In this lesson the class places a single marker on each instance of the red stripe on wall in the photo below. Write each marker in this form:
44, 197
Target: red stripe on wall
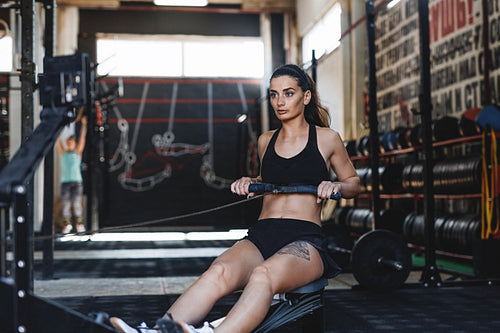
181, 101
176, 121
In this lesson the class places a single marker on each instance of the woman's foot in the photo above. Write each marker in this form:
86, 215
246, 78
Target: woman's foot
121, 326
166, 325
163, 325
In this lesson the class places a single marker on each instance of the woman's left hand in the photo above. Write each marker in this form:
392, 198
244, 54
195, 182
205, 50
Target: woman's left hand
327, 188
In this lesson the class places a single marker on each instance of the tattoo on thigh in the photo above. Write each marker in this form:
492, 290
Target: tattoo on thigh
300, 249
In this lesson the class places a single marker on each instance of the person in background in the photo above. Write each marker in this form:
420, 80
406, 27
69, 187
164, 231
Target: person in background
71, 178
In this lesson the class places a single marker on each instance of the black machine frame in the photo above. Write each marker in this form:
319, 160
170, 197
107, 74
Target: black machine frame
65, 80
20, 310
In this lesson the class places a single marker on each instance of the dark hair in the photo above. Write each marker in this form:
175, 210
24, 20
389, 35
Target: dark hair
314, 112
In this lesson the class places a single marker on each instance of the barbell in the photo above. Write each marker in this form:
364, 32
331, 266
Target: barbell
380, 259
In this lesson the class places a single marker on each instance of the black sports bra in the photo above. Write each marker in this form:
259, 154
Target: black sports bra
306, 168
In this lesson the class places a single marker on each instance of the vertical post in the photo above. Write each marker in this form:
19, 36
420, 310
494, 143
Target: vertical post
27, 109
372, 116
3, 240
48, 172
430, 274
22, 258
90, 160
486, 55
314, 67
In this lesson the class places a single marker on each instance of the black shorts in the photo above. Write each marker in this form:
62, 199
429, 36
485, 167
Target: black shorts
270, 235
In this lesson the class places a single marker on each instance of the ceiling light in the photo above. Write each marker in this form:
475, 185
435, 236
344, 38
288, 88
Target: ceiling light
181, 3
392, 4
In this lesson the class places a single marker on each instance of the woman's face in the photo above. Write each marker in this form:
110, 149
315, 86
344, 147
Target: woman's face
287, 98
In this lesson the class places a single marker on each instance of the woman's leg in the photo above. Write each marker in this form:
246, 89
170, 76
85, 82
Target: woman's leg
229, 272
294, 265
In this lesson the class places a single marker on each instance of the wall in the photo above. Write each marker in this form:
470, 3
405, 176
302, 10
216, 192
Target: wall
182, 159
331, 90
309, 12
340, 75
456, 59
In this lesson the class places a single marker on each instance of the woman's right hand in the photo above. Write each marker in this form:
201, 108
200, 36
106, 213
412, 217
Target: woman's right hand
240, 186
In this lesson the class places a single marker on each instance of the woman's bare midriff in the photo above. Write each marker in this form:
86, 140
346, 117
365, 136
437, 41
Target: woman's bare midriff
293, 206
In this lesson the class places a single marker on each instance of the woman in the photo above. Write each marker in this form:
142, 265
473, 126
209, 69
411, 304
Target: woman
287, 239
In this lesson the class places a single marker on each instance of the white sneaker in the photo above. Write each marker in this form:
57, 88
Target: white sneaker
80, 228
121, 326
67, 229
205, 329
172, 326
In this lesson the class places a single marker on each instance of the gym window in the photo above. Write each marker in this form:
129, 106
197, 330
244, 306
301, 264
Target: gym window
180, 56
6, 54
324, 37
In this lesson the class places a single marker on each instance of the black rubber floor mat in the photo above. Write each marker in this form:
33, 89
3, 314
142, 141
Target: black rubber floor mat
126, 268
461, 309
450, 309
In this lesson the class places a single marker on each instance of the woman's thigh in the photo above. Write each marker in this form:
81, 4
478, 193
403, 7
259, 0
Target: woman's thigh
294, 265
238, 262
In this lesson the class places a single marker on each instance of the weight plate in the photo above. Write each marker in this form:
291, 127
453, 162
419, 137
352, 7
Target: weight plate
362, 178
415, 136
392, 219
387, 141
406, 178
438, 230
340, 215
402, 137
468, 125
407, 227
366, 266
445, 128
350, 147
391, 178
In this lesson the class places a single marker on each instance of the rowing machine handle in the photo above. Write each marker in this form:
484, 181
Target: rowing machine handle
304, 189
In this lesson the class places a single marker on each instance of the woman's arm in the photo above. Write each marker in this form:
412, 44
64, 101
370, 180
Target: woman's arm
348, 180
240, 186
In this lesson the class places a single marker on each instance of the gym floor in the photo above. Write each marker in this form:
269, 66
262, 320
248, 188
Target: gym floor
139, 280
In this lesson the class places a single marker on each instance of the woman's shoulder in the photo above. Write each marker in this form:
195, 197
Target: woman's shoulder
266, 136
329, 140
327, 133
264, 139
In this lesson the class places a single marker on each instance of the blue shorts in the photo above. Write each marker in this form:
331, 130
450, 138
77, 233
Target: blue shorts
270, 235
